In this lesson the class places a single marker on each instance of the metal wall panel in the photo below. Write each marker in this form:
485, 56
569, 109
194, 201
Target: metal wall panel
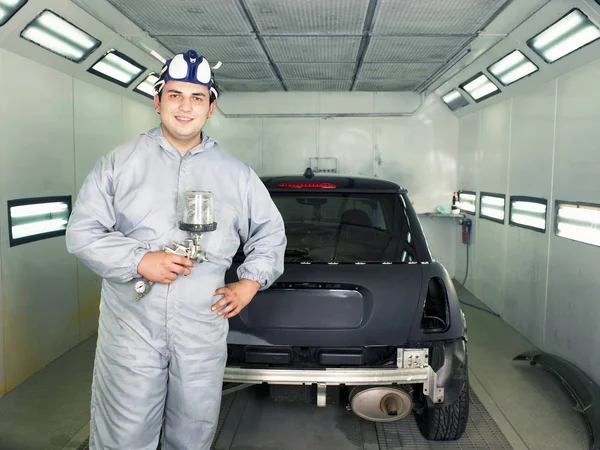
532, 132
573, 308
39, 280
468, 151
3, 234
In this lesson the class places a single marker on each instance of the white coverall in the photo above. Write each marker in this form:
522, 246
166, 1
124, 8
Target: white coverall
166, 353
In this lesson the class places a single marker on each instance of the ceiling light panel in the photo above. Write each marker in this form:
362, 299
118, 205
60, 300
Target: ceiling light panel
480, 87
434, 16
146, 87
309, 17
568, 34
226, 49
52, 32
116, 67
313, 49
319, 71
176, 17
397, 49
454, 99
512, 67
9, 8
319, 85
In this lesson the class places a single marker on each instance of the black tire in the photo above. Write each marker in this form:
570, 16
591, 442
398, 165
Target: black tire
445, 423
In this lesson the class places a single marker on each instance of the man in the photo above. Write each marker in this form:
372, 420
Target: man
164, 355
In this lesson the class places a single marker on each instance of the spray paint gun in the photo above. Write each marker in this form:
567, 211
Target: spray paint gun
198, 218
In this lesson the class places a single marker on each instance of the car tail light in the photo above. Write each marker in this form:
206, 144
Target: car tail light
436, 317
308, 185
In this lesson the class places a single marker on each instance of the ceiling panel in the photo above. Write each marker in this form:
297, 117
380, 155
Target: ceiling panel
433, 16
245, 71
320, 71
226, 49
387, 85
318, 85
182, 17
413, 49
383, 71
313, 49
313, 44
249, 85
309, 16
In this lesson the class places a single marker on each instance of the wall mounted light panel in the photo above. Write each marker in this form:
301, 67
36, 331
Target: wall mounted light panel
33, 219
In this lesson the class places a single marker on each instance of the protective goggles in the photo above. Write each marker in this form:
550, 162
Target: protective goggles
189, 67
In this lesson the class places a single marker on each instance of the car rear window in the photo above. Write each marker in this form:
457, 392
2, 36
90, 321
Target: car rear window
345, 227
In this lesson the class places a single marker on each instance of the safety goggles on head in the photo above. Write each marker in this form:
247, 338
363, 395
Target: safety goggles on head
189, 67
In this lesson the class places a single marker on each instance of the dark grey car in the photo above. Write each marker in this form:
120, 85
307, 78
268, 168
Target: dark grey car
361, 305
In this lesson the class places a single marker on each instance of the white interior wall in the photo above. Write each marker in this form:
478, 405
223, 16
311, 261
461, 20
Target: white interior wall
541, 143
53, 128
418, 152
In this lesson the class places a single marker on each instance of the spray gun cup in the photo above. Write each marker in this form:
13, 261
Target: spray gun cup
197, 228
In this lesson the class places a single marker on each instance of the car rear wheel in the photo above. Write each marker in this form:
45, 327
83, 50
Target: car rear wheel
445, 423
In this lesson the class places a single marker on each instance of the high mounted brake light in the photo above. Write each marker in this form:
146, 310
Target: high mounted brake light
308, 185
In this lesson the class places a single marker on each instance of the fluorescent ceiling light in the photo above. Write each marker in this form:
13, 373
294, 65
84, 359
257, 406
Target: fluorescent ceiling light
492, 207
454, 100
568, 34
512, 67
480, 87
530, 213
146, 87
116, 67
9, 8
466, 201
54, 33
579, 223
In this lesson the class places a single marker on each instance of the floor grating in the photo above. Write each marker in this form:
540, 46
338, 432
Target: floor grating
482, 433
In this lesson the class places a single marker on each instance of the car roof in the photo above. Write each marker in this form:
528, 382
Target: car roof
352, 183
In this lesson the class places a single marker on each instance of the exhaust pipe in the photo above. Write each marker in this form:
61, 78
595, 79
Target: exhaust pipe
380, 403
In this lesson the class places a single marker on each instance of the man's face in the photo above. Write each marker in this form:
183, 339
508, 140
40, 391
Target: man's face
184, 108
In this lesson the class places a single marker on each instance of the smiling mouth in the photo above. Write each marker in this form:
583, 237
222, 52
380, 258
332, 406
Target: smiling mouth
183, 119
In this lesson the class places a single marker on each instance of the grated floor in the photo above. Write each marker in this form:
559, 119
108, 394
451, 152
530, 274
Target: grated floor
481, 433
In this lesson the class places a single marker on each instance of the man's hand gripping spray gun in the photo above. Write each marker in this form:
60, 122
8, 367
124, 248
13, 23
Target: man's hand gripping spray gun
198, 218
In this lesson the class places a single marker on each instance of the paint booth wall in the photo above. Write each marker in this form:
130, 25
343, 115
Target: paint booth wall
542, 143
53, 128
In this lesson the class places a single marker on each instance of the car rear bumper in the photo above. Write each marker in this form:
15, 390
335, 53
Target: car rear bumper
441, 369
412, 368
